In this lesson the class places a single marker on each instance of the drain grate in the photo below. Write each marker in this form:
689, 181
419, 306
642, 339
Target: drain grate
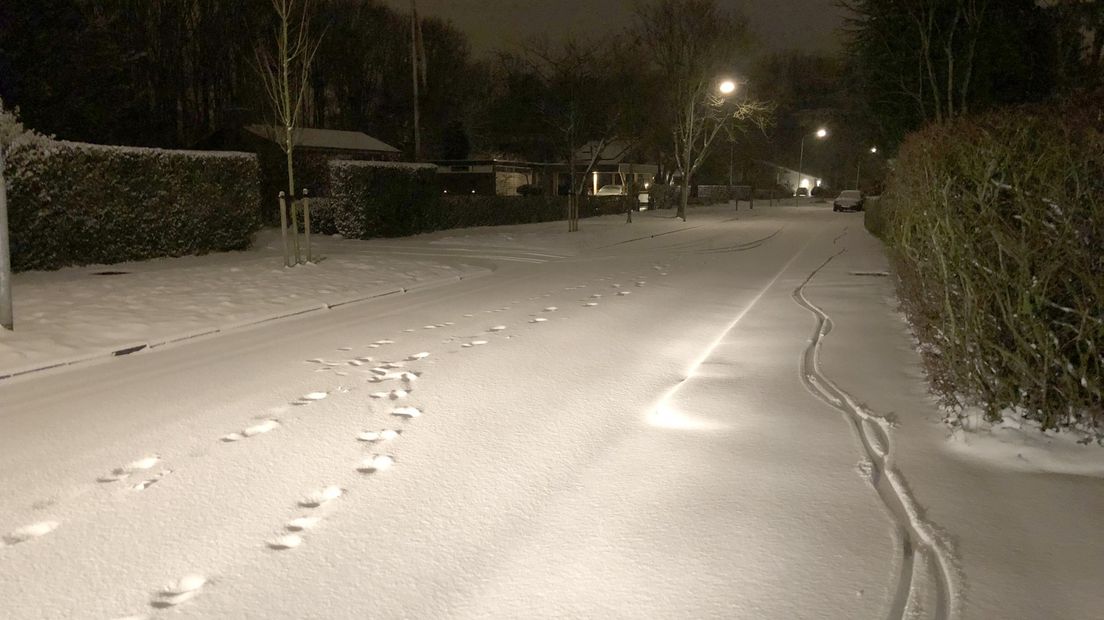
110, 273
874, 274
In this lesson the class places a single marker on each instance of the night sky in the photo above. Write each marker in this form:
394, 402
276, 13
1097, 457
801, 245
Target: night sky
808, 25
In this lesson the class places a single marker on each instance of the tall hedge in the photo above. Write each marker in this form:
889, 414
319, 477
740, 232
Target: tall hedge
997, 229
78, 204
383, 199
390, 199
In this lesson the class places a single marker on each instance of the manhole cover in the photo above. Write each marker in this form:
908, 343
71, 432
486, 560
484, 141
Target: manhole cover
110, 273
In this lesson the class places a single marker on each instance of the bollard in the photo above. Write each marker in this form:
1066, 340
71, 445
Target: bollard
306, 221
284, 228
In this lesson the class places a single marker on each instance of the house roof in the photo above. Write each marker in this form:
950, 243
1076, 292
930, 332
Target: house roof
324, 138
613, 153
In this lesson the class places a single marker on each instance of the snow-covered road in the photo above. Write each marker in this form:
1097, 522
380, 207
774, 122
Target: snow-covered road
624, 432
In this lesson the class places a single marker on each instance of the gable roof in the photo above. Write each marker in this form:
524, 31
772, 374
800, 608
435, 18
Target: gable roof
324, 138
613, 153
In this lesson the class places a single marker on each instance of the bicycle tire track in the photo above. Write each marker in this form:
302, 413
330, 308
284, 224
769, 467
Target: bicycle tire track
917, 535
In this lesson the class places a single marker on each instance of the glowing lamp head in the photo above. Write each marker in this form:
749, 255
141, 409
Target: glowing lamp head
822, 132
873, 149
727, 87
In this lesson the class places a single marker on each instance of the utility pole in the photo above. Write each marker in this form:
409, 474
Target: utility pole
414, 62
7, 319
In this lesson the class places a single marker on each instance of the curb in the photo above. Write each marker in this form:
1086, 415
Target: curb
161, 341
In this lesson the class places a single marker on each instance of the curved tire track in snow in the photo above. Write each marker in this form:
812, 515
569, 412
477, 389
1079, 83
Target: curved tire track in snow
877, 446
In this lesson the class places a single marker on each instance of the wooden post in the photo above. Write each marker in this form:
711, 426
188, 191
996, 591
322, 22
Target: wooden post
284, 228
306, 221
295, 230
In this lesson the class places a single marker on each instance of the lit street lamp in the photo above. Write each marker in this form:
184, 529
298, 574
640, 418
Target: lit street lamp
858, 167
727, 87
820, 134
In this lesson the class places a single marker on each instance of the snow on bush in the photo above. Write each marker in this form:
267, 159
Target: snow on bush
74, 204
996, 227
383, 199
389, 199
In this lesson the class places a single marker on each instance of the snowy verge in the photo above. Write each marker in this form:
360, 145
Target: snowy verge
95, 312
1019, 444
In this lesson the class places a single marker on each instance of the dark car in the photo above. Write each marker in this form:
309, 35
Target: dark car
849, 200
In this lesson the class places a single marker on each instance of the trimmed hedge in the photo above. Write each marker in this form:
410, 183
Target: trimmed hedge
874, 217
997, 232
78, 204
383, 199
391, 199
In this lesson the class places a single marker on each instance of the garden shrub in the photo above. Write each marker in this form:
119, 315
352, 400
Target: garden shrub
77, 204
874, 217
997, 231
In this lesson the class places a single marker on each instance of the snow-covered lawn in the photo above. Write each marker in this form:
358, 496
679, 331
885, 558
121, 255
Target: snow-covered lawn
719, 418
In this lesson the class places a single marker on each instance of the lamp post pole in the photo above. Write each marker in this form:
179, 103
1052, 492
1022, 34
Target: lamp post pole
820, 134
800, 164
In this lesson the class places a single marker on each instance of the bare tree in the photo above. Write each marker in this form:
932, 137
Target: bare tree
578, 108
695, 46
286, 77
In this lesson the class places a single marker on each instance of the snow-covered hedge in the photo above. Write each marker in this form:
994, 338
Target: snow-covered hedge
382, 199
391, 199
78, 204
997, 229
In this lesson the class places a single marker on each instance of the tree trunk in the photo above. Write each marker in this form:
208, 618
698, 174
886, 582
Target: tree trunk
684, 196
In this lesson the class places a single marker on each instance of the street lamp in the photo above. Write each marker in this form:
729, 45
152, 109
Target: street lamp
820, 134
858, 167
725, 88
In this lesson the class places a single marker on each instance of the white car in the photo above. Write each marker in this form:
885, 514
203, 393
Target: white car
611, 190
849, 200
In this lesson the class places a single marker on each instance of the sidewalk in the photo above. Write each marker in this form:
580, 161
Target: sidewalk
81, 314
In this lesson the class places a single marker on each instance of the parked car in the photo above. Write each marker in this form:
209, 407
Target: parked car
611, 190
802, 191
849, 200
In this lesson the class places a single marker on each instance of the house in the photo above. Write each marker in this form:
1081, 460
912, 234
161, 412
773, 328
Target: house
620, 162
787, 177
314, 149
488, 177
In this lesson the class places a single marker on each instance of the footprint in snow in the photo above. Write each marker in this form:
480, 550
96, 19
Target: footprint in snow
408, 331
596, 296
406, 412
284, 542
381, 342
474, 343
497, 328
417, 356
641, 283
344, 348
393, 365
252, 431
322, 496
179, 591
147, 483
300, 524
663, 273
141, 464
551, 309
623, 293
429, 327
29, 532
311, 397
591, 304
375, 463
386, 434
539, 319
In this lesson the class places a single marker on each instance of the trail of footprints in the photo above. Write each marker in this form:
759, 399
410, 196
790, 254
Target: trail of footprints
315, 504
